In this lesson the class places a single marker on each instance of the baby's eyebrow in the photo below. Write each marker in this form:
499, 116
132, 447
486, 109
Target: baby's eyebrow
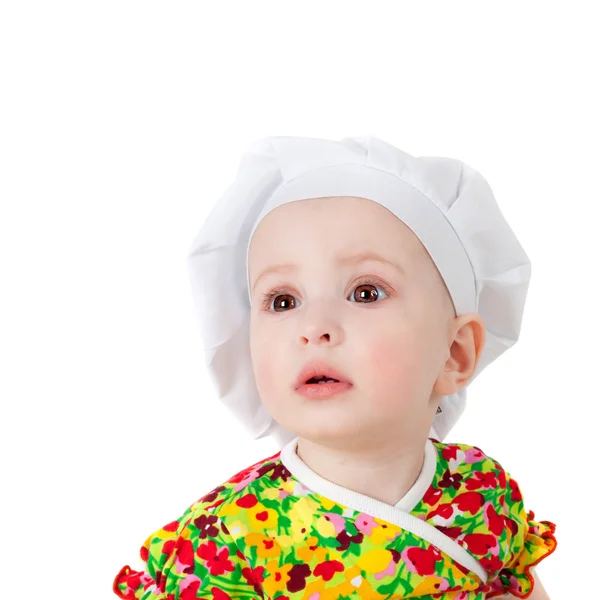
340, 260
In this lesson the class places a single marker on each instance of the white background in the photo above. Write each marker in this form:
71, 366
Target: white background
122, 123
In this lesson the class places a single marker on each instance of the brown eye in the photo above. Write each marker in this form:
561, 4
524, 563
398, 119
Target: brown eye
274, 297
285, 303
366, 290
364, 293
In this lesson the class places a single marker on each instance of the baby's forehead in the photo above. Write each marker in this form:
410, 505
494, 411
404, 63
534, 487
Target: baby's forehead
345, 219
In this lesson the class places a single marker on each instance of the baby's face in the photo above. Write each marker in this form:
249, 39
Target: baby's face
386, 328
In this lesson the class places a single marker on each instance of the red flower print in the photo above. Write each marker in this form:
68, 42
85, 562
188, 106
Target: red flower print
298, 574
144, 553
247, 501
251, 472
264, 469
443, 510
328, 569
133, 580
185, 556
280, 471
515, 495
395, 555
481, 480
190, 592
255, 577
172, 526
168, 547
491, 563
217, 559
479, 543
450, 480
240, 476
452, 532
493, 520
420, 560
469, 502
212, 495
501, 477
161, 580
345, 539
432, 496
461, 569
224, 529
205, 524
215, 504
512, 525
450, 452
262, 516
217, 594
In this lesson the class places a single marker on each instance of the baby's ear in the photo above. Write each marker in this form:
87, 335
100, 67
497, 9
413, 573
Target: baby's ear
466, 343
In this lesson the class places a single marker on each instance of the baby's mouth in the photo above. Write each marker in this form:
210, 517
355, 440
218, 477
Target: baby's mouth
322, 379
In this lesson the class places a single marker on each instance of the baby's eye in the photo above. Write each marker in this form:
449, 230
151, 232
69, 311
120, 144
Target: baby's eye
368, 294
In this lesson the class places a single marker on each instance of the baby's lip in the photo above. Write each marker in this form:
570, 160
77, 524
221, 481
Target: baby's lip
315, 368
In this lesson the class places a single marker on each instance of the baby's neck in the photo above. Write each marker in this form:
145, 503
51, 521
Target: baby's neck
385, 473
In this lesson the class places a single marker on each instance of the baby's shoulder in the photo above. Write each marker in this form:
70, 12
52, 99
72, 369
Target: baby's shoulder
239, 485
455, 454
468, 468
471, 493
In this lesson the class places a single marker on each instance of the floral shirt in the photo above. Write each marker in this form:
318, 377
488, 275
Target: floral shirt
277, 530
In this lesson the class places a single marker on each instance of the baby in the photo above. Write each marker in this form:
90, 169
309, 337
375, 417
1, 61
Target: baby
347, 292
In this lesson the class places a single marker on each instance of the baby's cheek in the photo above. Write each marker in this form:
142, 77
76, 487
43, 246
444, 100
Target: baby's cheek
264, 360
270, 383
263, 374
389, 360
391, 372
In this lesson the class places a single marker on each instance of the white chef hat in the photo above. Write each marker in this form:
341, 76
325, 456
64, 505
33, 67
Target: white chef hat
446, 203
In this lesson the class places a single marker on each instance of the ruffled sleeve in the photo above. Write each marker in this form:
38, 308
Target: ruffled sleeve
531, 542
190, 558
